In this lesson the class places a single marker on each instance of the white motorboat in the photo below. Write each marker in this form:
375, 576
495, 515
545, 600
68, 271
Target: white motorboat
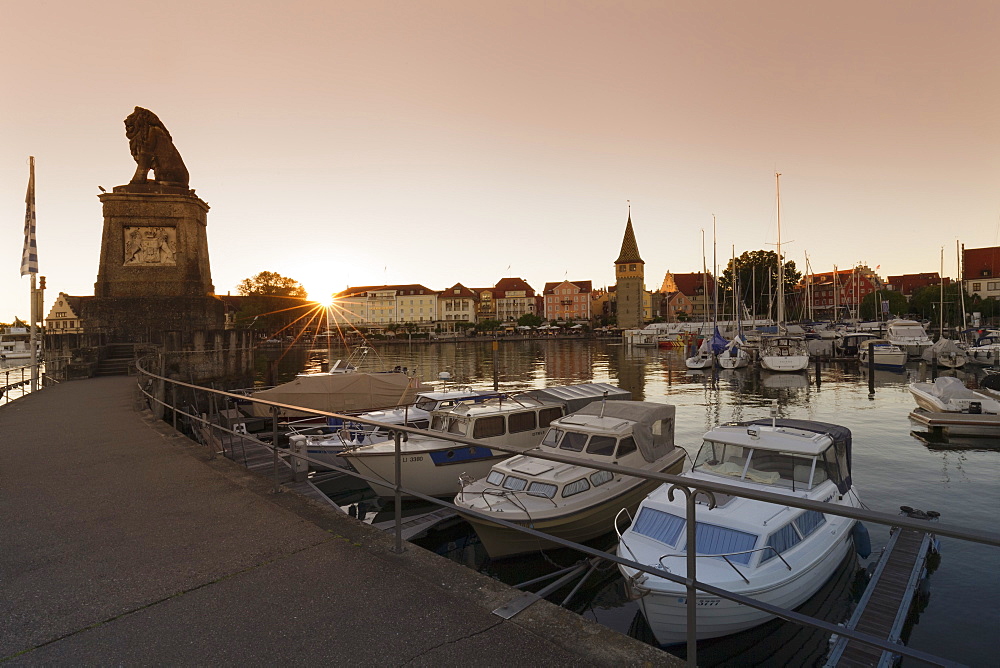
783, 353
986, 352
736, 354
327, 446
574, 501
432, 465
886, 355
773, 553
908, 335
945, 353
948, 394
850, 344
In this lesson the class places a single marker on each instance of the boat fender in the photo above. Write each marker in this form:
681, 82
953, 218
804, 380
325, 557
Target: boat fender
862, 541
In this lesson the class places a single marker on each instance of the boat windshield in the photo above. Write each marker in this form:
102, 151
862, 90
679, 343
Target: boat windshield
552, 437
427, 404
911, 331
449, 424
767, 467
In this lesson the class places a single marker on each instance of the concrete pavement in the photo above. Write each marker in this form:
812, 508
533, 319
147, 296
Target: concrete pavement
121, 543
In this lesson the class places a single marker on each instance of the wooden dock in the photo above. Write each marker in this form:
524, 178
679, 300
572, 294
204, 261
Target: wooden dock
884, 606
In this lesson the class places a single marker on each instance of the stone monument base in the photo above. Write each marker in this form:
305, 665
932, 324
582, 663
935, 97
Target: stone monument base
156, 320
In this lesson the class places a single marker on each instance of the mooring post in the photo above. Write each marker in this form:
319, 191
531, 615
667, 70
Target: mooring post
274, 446
496, 377
397, 437
871, 368
819, 376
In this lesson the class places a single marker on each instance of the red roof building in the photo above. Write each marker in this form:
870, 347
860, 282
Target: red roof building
981, 271
907, 284
567, 300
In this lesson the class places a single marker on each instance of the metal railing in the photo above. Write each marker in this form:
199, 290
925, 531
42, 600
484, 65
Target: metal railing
690, 487
17, 381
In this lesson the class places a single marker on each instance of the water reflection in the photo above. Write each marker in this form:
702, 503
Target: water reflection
892, 467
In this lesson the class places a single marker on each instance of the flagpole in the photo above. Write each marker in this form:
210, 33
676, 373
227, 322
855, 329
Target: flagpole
29, 265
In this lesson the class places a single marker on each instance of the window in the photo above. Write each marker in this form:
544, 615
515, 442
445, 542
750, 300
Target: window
516, 484
783, 539
602, 445
573, 441
712, 539
519, 422
659, 526
976, 287
809, 521
542, 489
552, 437
601, 477
993, 286
458, 426
494, 478
547, 415
488, 427
575, 487
626, 446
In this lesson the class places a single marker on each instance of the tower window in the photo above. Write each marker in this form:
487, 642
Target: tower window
631, 267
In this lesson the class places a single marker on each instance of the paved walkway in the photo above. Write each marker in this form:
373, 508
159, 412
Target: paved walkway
120, 543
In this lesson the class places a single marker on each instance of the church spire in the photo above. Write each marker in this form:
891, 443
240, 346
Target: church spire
630, 249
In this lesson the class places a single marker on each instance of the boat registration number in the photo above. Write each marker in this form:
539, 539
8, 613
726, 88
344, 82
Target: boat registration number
415, 458
702, 602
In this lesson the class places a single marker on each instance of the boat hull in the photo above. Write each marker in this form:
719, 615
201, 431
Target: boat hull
575, 524
666, 611
784, 362
431, 472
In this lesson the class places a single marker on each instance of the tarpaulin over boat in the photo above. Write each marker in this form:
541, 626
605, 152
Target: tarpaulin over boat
341, 392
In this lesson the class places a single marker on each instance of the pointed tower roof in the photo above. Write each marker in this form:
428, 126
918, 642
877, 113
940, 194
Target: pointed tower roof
630, 249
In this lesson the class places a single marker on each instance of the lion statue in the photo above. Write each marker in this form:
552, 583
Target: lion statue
153, 148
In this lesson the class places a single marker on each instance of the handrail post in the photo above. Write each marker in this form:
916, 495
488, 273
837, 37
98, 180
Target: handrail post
274, 446
397, 437
692, 593
173, 403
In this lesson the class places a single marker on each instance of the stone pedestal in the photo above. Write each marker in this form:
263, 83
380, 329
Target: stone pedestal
154, 275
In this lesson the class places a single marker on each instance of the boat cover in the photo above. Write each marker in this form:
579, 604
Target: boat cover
941, 348
645, 415
838, 433
341, 392
575, 397
719, 342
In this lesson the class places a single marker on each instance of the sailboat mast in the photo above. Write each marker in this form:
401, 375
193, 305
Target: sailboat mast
941, 307
715, 282
961, 282
781, 268
704, 283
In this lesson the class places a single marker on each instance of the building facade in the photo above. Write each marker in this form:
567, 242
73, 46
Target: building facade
981, 271
568, 301
512, 298
64, 316
698, 290
457, 304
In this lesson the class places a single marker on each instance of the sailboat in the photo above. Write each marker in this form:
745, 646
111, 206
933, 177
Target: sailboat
704, 357
735, 355
781, 351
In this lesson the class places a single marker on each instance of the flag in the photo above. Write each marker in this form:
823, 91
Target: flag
29, 256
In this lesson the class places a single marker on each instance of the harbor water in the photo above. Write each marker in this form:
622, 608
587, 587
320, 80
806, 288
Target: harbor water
891, 467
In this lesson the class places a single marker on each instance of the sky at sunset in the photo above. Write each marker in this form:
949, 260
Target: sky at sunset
437, 142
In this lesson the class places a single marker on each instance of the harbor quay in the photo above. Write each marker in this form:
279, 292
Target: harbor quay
125, 544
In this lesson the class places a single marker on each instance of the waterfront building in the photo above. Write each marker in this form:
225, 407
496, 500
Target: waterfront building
485, 307
64, 317
981, 271
386, 304
568, 300
457, 304
692, 286
907, 284
844, 290
512, 298
630, 288
675, 305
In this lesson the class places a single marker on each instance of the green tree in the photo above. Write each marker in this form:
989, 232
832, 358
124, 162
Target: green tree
871, 305
487, 325
926, 303
757, 275
271, 283
530, 320
273, 303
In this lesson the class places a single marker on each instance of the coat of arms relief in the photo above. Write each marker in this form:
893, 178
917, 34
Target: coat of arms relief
151, 246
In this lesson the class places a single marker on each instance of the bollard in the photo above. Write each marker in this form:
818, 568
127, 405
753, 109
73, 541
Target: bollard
819, 379
871, 368
298, 448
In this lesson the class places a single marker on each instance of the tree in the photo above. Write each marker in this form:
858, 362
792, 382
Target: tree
871, 305
926, 303
757, 274
272, 302
529, 320
272, 284
487, 325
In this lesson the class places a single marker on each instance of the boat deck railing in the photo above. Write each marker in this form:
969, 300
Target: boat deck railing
155, 390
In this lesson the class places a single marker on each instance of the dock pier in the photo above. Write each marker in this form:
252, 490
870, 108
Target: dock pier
886, 602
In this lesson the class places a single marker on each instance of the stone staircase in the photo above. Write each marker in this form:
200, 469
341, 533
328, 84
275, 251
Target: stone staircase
119, 360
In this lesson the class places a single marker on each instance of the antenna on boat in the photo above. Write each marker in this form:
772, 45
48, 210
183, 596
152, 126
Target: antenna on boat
774, 413
604, 402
